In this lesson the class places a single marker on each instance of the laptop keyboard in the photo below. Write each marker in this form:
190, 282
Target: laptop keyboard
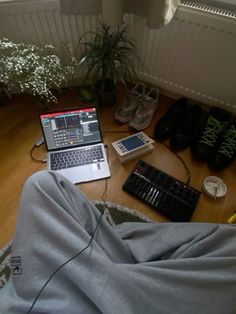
74, 158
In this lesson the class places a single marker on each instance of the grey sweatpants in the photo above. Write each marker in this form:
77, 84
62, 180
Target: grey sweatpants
138, 268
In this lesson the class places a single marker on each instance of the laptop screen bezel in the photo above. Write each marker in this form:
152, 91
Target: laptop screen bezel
68, 110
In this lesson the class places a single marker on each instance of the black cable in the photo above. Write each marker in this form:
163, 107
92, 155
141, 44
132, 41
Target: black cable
65, 263
33, 158
182, 161
77, 254
184, 164
104, 194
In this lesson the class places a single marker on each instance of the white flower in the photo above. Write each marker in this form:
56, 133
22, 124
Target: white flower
34, 70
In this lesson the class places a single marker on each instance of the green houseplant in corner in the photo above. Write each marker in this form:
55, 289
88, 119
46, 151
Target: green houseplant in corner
108, 58
86, 95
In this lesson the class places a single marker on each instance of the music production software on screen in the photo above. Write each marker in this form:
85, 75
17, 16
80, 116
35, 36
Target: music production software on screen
76, 127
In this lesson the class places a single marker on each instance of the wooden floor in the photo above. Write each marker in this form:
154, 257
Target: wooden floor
20, 129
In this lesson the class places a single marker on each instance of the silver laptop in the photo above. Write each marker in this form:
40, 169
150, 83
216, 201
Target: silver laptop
74, 143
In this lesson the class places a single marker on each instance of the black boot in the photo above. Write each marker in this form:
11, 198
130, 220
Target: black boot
225, 153
186, 130
213, 128
167, 124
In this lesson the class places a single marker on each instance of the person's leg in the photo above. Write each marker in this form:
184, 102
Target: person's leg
55, 222
182, 268
132, 268
172, 241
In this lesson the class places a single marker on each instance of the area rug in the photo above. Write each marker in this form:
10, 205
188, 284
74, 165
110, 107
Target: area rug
115, 214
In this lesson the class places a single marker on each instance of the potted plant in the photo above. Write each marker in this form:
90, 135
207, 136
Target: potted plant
27, 68
86, 95
109, 57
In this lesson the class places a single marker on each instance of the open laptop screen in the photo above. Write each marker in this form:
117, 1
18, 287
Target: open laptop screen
69, 128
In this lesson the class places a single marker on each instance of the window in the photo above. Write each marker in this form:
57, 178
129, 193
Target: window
223, 4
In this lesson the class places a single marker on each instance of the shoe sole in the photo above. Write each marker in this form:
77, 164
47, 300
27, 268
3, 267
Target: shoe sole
140, 128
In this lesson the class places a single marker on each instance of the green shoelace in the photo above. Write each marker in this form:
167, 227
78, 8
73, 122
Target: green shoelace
213, 129
228, 145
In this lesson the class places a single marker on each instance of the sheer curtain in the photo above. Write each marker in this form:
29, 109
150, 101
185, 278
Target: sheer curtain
157, 12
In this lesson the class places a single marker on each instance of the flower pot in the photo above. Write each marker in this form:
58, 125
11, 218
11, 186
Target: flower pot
106, 97
86, 96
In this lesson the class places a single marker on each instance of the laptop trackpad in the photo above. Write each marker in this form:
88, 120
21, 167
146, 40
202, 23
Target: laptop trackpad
81, 174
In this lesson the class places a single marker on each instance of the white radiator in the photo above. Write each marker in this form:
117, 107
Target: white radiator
193, 56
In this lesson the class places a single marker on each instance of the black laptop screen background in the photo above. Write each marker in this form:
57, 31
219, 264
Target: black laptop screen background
66, 129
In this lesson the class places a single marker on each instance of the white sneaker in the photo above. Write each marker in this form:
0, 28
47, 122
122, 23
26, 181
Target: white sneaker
125, 113
144, 113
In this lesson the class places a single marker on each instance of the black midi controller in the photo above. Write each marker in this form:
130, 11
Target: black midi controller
166, 194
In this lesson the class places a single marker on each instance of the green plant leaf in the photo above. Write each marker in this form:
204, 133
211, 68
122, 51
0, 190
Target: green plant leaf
110, 54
